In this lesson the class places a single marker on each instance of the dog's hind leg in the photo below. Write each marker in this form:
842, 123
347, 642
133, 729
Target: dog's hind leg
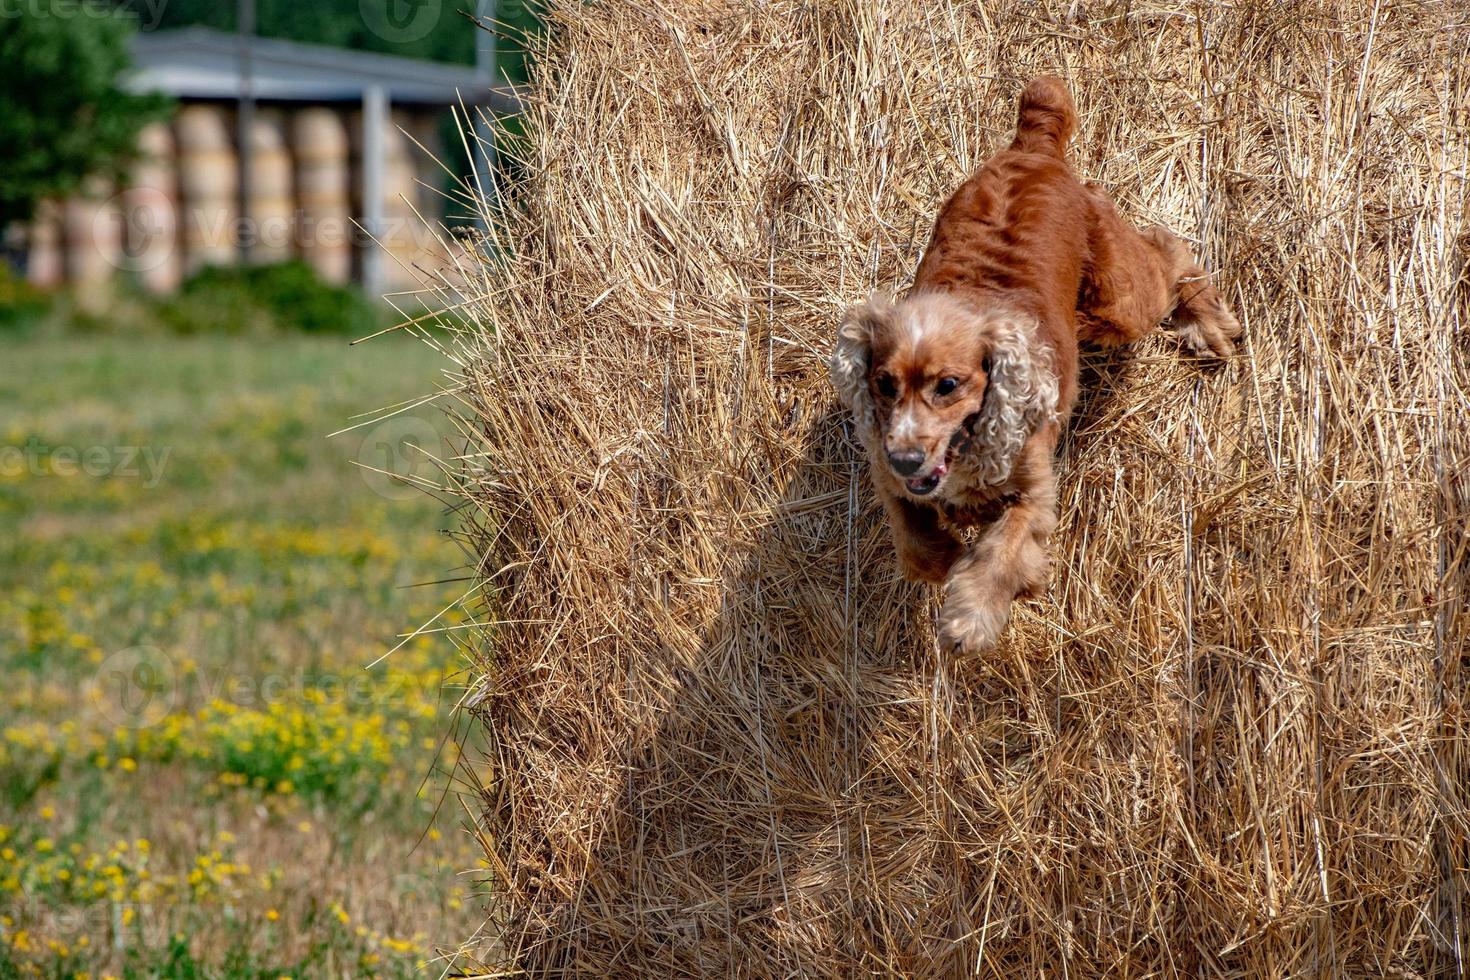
1137, 278
1128, 285
1201, 317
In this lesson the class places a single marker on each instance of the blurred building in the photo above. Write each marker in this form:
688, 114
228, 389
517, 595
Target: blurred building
278, 150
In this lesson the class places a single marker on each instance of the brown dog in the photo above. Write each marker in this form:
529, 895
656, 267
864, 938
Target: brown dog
960, 390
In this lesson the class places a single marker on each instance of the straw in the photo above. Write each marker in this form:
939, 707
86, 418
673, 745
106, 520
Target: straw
1231, 740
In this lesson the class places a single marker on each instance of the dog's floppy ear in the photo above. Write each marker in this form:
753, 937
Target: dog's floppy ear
851, 356
1020, 396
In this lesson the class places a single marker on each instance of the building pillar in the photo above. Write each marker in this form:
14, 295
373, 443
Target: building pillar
374, 147
481, 125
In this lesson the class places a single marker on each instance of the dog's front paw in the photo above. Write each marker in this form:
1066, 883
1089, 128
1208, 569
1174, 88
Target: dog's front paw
968, 626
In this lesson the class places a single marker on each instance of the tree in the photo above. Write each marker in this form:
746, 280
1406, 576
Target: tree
444, 32
65, 116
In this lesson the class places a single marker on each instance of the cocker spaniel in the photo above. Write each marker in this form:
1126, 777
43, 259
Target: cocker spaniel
960, 389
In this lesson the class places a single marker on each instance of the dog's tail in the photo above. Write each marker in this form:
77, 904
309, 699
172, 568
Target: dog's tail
1047, 118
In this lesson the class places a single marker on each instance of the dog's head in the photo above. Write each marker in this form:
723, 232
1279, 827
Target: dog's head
932, 379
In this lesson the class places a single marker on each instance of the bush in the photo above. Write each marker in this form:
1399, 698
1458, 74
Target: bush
22, 305
255, 299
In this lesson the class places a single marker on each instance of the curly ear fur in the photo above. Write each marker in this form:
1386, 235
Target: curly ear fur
1020, 397
851, 356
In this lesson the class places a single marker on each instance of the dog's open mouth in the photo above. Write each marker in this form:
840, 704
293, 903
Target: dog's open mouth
922, 486
926, 485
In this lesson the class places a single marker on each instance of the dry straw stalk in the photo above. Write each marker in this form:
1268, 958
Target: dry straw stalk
1231, 741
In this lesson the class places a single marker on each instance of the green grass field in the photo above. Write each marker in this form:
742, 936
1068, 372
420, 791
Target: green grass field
200, 776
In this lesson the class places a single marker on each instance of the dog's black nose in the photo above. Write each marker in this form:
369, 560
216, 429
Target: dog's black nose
904, 463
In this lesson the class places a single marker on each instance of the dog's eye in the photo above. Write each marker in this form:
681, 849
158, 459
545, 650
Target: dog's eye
886, 386
945, 386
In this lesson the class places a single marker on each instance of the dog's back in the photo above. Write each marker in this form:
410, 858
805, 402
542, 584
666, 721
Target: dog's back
1016, 232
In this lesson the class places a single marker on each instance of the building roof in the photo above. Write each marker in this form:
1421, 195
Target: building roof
199, 62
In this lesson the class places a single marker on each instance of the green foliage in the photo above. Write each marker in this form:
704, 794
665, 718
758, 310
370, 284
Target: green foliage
21, 304
254, 299
448, 34
65, 117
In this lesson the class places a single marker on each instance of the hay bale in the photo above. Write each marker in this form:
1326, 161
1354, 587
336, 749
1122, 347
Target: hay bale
209, 185
1231, 740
